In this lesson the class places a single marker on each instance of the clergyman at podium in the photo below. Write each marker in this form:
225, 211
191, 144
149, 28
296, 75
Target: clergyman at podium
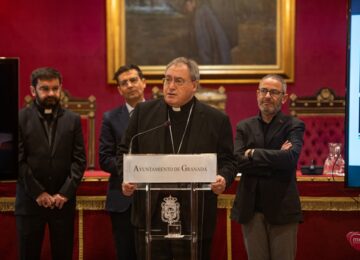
193, 128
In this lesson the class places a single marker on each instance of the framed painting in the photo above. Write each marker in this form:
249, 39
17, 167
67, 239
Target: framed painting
234, 41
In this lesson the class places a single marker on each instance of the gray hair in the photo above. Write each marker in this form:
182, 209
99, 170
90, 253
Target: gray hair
191, 64
277, 78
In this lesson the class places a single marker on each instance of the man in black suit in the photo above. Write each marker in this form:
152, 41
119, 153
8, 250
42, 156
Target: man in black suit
52, 162
267, 202
195, 128
131, 85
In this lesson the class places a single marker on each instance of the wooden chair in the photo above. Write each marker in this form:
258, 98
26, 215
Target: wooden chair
324, 115
86, 108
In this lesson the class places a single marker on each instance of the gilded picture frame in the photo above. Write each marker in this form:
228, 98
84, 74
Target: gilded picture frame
264, 37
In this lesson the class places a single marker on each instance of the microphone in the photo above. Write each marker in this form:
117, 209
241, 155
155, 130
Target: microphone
165, 124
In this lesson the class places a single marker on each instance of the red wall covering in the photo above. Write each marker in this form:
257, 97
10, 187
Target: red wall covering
71, 36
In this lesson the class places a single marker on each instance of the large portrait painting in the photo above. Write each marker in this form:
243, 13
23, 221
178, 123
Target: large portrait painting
234, 41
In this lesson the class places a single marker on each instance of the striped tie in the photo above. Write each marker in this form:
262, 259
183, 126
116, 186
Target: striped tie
131, 112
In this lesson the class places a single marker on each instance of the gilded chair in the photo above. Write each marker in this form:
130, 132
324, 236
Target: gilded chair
324, 115
86, 108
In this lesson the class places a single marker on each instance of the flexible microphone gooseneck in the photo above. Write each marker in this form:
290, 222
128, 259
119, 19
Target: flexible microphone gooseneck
165, 124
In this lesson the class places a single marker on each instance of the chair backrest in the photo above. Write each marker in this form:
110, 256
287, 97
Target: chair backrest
86, 108
213, 97
324, 115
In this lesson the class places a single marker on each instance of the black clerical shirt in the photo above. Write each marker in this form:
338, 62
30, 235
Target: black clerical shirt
178, 121
259, 204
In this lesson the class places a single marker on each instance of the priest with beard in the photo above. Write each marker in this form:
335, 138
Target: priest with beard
194, 128
52, 162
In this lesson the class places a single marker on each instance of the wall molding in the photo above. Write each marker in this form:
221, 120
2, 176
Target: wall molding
225, 201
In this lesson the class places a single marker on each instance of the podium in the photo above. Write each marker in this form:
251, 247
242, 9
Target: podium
174, 180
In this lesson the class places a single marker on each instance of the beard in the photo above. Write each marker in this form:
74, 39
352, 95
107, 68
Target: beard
269, 109
48, 102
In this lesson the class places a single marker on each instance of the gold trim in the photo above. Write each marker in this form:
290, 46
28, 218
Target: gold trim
330, 204
90, 202
228, 234
313, 178
7, 204
225, 201
322, 178
95, 179
224, 74
83, 203
88, 178
81, 234
325, 102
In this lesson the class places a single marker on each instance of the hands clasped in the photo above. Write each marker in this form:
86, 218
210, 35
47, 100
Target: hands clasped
51, 201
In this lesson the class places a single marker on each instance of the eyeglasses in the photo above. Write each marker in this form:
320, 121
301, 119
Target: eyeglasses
177, 81
126, 82
273, 92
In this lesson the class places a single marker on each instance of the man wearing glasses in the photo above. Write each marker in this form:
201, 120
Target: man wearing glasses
267, 147
131, 85
194, 128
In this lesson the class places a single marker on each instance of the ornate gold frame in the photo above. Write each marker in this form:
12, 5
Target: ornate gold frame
211, 74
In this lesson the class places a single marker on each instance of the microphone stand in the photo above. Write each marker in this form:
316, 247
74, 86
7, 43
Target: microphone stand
165, 124
147, 193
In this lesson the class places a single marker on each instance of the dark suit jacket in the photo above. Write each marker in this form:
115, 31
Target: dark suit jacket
272, 169
210, 132
56, 169
113, 127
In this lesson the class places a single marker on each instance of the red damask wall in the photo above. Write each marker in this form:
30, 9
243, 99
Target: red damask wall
71, 36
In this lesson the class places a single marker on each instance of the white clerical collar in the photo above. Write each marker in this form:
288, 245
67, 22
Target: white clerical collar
176, 109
